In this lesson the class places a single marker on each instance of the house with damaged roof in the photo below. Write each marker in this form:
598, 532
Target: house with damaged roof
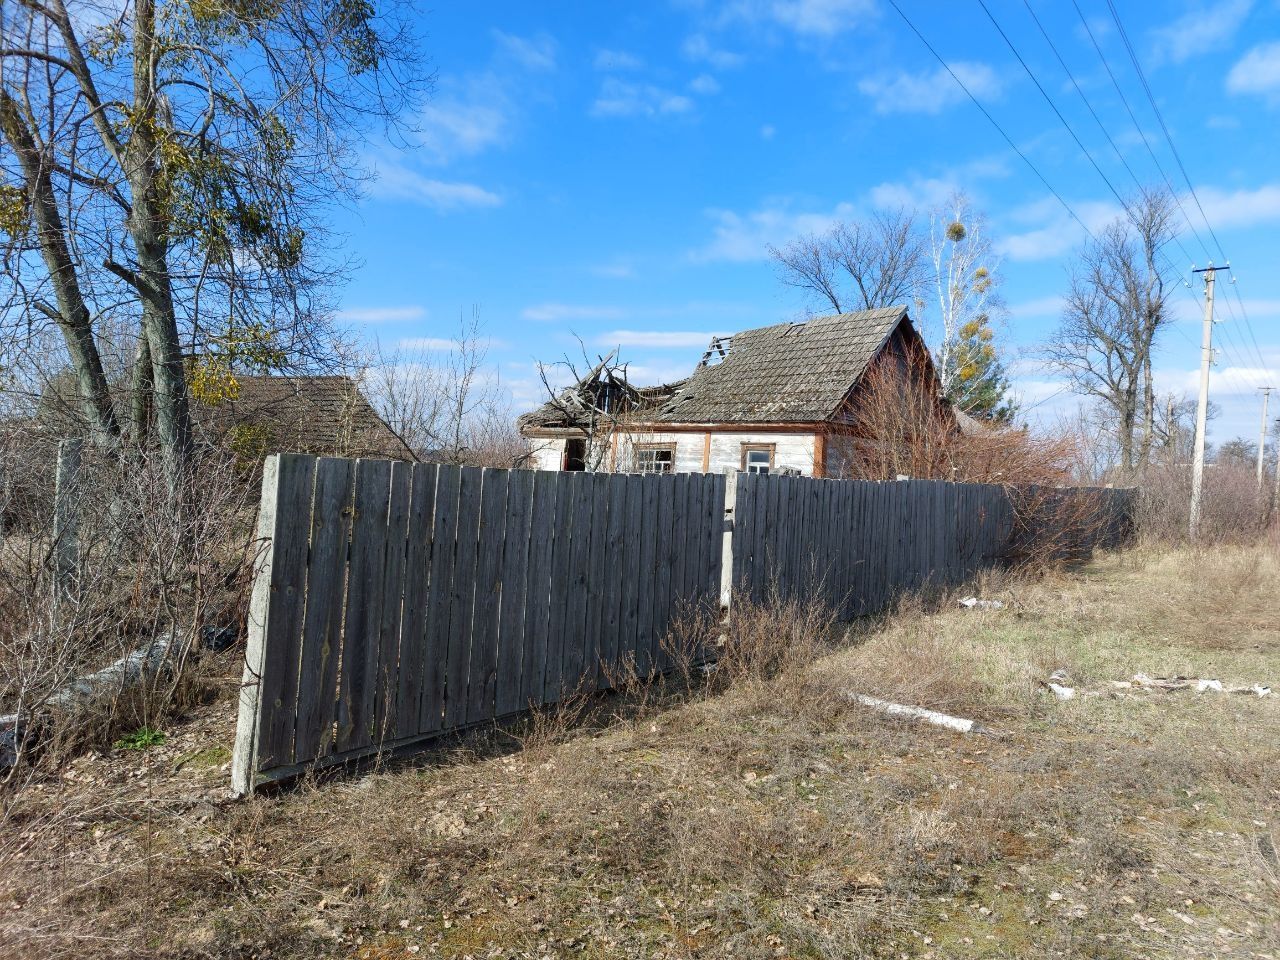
782, 398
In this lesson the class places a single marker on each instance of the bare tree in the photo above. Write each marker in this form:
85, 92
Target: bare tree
446, 404
596, 405
1116, 307
170, 164
965, 277
857, 265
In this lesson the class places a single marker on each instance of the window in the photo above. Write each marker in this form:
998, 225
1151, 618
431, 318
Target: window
655, 457
575, 455
757, 457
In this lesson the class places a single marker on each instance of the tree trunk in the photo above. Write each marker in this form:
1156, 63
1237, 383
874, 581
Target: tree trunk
1148, 412
149, 228
72, 315
140, 388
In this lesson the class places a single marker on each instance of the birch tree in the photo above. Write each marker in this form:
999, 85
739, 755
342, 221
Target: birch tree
169, 162
965, 277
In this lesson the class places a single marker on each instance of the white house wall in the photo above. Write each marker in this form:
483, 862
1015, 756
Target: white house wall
545, 454
791, 451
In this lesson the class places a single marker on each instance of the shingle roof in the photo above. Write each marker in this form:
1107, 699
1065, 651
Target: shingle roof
786, 373
307, 414
322, 415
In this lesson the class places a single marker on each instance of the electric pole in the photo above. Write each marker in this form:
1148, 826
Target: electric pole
1262, 434
1202, 406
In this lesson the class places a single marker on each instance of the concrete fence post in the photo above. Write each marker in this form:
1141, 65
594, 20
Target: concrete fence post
726, 545
66, 518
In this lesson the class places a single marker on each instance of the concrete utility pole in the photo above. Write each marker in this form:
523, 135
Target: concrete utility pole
1202, 406
1262, 434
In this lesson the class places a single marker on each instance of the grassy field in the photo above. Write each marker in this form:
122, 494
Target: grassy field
764, 817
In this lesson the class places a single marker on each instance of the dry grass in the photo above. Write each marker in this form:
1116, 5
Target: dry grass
757, 816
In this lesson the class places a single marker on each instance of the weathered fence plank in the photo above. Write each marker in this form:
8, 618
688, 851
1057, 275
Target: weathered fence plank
322, 620
444, 532
417, 580
512, 618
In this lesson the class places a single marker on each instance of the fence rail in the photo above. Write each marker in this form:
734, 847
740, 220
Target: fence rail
394, 602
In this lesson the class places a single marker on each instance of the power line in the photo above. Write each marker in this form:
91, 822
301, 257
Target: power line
1142, 134
986, 113
1142, 77
1094, 113
1009, 140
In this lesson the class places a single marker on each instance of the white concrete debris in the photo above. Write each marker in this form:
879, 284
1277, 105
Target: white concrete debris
1061, 692
974, 603
959, 724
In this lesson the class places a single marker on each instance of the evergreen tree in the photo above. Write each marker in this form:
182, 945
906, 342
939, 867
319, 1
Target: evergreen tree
977, 382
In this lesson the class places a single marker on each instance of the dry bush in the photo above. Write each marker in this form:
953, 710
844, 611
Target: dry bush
149, 575
1233, 510
898, 427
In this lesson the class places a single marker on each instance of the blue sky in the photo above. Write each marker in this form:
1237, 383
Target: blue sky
615, 171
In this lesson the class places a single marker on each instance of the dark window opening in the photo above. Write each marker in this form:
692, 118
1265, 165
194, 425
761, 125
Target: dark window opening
575, 455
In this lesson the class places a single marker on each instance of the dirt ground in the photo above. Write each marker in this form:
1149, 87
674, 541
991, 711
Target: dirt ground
770, 817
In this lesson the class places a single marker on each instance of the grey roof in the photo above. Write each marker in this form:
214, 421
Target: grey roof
786, 373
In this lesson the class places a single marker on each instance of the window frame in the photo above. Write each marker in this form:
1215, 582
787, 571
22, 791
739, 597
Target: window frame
748, 448
638, 448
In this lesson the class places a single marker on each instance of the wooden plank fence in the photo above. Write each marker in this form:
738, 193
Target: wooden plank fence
395, 602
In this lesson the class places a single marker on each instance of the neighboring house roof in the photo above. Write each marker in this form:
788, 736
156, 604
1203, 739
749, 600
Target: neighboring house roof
322, 415
786, 373
307, 414
603, 391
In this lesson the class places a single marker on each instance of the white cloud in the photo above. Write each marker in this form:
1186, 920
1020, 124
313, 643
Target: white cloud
704, 84
745, 237
811, 18
655, 338
931, 91
1257, 72
1039, 308
467, 121
1200, 30
767, 131
534, 53
395, 181
913, 194
1240, 208
698, 48
561, 312
617, 60
382, 314
1054, 231
616, 270
620, 99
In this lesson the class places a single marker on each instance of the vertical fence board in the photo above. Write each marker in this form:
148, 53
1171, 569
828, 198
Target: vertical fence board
482, 679
596, 589
462, 596
560, 596
614, 569
537, 599
663, 562
265, 731
387, 687
630, 564
322, 620
417, 574
512, 620
444, 536
360, 647
647, 574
